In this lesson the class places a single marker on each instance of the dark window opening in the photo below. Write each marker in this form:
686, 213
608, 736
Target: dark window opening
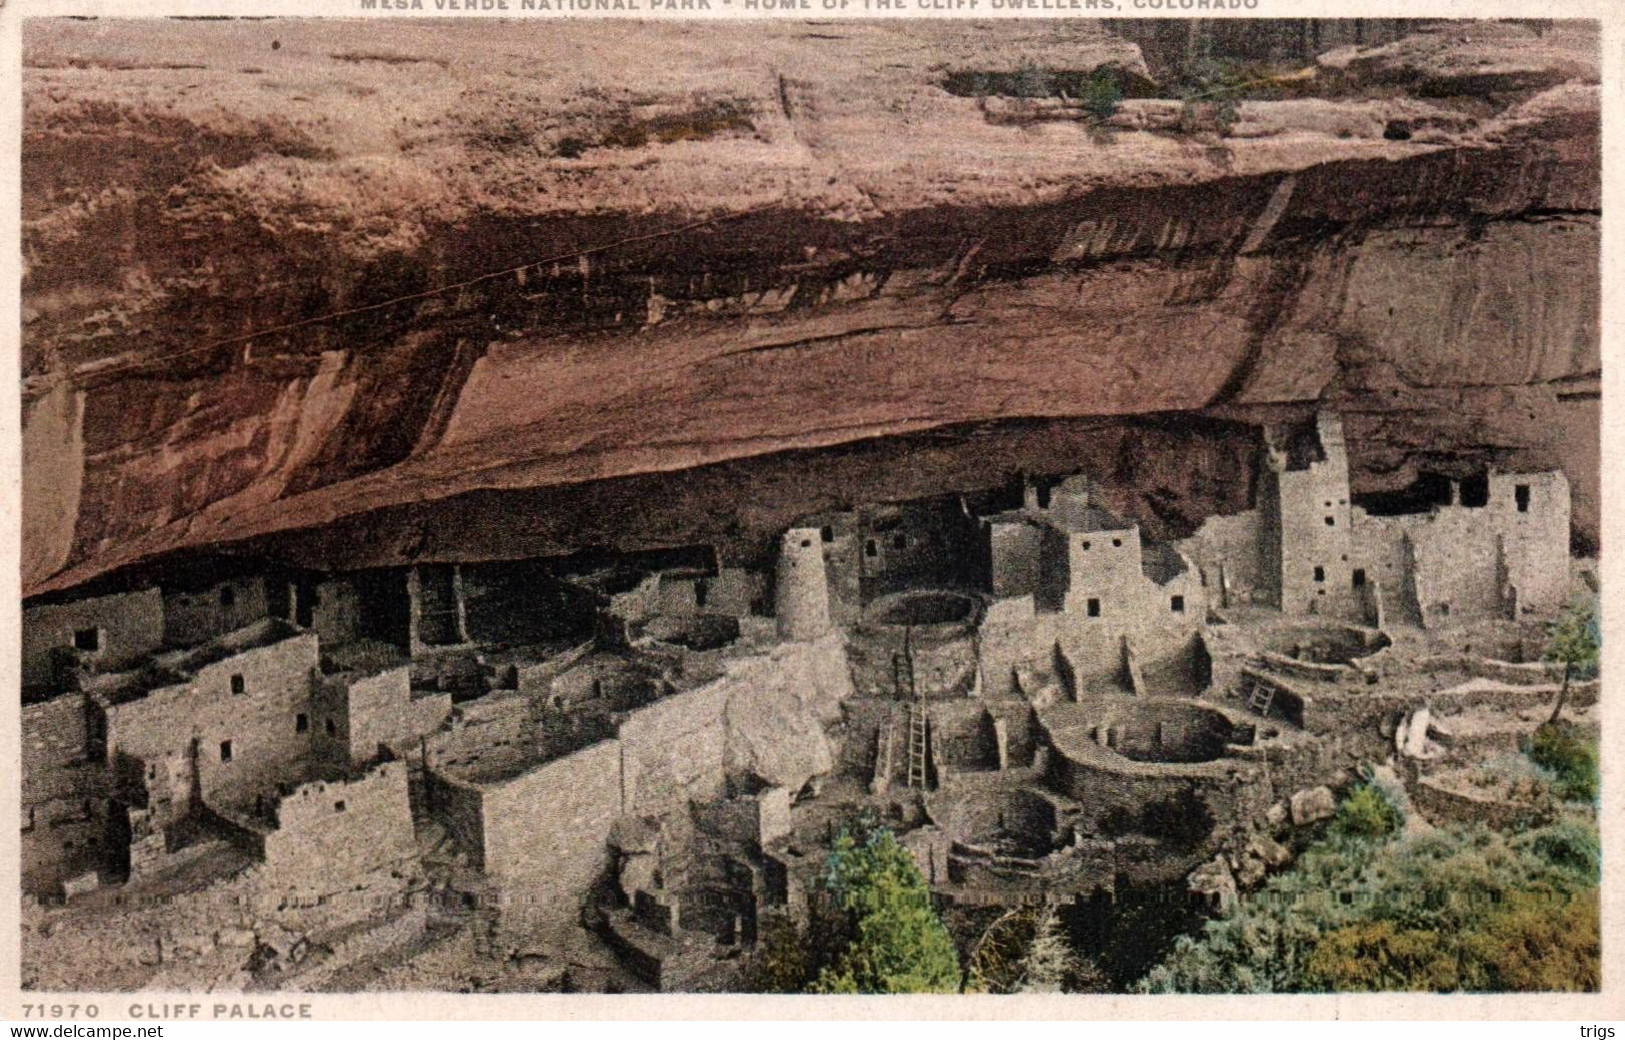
1043, 496
869, 548
899, 541
827, 533
239, 685
225, 751
301, 723
1444, 609
701, 591
331, 729
228, 596
1320, 574
1520, 494
1331, 521
1359, 577
1475, 491
806, 543
1086, 545
1094, 607
338, 806
89, 639
1117, 543
1177, 604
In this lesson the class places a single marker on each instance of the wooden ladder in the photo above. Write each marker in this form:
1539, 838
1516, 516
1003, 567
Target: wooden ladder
917, 736
1261, 699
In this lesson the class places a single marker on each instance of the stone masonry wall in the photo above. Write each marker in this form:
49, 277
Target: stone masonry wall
131, 627
329, 834
260, 723
62, 794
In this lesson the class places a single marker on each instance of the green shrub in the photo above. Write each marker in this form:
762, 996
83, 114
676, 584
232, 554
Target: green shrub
1467, 909
1571, 755
1367, 812
1100, 94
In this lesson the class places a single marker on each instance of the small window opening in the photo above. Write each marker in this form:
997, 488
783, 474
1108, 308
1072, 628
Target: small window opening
239, 685
806, 543
1043, 497
1320, 573
1094, 607
228, 596
1177, 604
899, 541
869, 548
1086, 545
1359, 577
338, 806
701, 591
301, 723
88, 639
225, 751
1117, 543
1520, 494
331, 728
827, 533
1331, 521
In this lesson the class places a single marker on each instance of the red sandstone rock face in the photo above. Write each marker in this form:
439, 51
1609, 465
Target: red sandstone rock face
781, 237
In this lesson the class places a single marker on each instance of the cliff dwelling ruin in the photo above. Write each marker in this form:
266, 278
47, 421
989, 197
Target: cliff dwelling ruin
500, 546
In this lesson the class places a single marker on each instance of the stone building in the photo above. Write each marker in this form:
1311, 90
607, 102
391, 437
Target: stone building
1307, 549
101, 633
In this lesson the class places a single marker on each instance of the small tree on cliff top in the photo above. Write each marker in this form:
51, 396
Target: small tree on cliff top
887, 937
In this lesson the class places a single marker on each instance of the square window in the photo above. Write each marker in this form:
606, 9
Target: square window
1520, 494
338, 806
87, 639
1331, 521
806, 543
301, 723
239, 685
1359, 577
225, 751
1086, 545
1320, 574
1094, 607
1177, 604
827, 533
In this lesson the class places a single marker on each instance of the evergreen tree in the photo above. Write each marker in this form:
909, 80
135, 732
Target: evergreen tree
1574, 641
877, 927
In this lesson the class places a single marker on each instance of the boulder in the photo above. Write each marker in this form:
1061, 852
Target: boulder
1311, 805
1214, 882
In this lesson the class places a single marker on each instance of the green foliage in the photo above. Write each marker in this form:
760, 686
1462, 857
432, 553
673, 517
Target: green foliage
1100, 94
779, 963
1469, 909
877, 928
1367, 812
1574, 640
1571, 756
